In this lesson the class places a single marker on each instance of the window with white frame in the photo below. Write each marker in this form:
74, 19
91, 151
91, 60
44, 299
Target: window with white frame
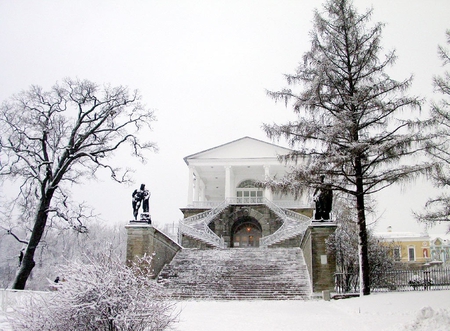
247, 192
411, 253
397, 253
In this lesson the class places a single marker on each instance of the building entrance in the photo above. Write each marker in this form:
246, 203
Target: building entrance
246, 232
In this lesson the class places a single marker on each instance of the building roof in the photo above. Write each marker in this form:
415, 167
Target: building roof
243, 148
402, 236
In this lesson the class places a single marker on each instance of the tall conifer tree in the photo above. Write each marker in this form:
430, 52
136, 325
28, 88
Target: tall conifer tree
349, 125
437, 209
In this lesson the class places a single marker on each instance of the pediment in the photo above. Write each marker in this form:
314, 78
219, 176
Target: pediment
244, 148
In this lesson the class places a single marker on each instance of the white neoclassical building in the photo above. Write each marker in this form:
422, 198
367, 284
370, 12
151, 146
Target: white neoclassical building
226, 208
228, 172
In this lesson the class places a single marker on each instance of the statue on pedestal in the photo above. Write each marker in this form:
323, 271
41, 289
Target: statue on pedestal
323, 197
139, 197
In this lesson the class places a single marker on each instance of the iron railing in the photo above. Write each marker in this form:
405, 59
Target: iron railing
397, 280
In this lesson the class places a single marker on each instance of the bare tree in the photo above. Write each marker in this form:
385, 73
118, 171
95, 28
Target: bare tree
53, 139
102, 294
438, 209
349, 127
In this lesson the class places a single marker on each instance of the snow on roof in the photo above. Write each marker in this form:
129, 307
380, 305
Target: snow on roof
403, 235
253, 148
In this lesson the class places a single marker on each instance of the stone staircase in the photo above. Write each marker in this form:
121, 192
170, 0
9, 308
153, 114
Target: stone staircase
237, 274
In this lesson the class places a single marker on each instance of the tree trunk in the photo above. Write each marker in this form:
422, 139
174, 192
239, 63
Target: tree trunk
362, 235
36, 235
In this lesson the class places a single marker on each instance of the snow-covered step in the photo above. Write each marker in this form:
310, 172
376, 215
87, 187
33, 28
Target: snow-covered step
243, 274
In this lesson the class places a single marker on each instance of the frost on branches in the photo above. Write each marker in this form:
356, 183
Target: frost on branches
356, 126
104, 294
343, 244
51, 140
437, 209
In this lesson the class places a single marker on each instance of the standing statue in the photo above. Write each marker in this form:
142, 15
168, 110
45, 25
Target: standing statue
139, 197
323, 196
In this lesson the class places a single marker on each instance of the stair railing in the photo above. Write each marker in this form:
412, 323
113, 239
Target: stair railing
197, 227
206, 235
206, 215
293, 225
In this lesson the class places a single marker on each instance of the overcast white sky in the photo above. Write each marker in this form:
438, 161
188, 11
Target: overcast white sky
203, 65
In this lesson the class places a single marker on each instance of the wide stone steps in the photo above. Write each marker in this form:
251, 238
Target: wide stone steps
239, 273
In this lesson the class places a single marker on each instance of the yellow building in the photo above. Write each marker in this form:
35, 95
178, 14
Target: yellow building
407, 247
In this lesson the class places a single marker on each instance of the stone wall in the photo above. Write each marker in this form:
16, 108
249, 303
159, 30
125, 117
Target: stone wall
189, 242
321, 265
308, 212
289, 243
143, 238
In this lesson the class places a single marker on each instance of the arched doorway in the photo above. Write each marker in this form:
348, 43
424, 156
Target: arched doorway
246, 232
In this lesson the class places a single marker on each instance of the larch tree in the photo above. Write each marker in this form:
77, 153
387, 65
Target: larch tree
437, 209
349, 125
53, 139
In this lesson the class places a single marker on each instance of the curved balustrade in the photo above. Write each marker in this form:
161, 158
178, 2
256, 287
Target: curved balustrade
293, 225
206, 215
197, 227
205, 235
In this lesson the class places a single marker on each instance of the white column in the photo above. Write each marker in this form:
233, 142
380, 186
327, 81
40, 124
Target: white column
196, 188
227, 182
191, 186
267, 191
202, 186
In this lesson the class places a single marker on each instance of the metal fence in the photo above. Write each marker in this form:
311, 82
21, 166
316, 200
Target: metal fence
397, 280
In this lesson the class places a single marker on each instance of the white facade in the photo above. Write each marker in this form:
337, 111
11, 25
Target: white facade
440, 250
226, 172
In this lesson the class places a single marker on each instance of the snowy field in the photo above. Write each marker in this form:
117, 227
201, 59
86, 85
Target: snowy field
426, 311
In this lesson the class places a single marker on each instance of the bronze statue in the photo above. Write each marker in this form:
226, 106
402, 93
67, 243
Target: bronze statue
139, 197
323, 196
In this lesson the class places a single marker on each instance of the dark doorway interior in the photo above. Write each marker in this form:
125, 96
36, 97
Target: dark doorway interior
246, 232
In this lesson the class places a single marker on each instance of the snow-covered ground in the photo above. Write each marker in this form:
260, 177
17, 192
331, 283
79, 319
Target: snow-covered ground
418, 311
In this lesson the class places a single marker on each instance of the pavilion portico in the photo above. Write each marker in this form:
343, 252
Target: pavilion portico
228, 172
226, 207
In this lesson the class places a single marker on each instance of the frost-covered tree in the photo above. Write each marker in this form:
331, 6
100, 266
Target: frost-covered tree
53, 139
438, 209
343, 244
59, 245
350, 127
103, 294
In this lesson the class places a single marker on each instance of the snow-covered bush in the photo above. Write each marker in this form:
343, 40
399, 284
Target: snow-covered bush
416, 282
343, 245
61, 243
102, 295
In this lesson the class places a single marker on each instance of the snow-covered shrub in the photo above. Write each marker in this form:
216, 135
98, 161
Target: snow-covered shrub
416, 282
102, 295
343, 245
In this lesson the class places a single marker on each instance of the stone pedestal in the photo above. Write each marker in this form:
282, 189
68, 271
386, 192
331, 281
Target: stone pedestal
321, 265
144, 239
